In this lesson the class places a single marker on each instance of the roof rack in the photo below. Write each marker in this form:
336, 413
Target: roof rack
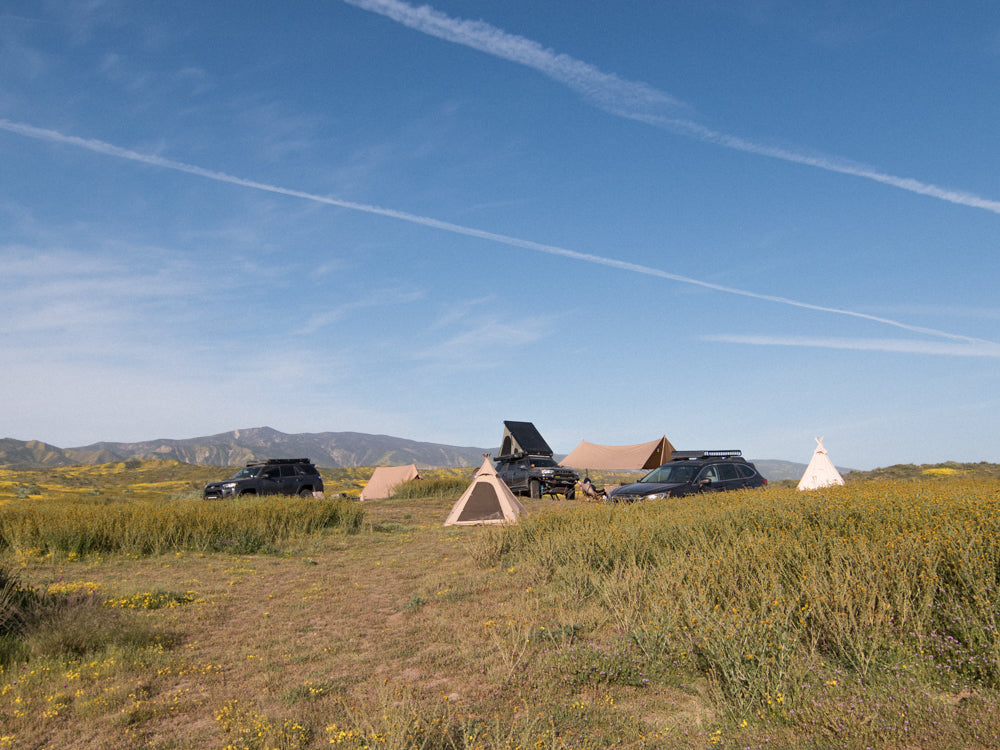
273, 461
706, 454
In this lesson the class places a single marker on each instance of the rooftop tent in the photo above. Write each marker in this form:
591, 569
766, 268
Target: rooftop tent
486, 501
820, 472
385, 478
523, 438
620, 457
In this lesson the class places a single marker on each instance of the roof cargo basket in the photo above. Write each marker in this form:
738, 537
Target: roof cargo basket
274, 461
706, 454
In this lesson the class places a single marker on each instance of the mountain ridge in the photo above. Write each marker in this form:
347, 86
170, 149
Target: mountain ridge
237, 447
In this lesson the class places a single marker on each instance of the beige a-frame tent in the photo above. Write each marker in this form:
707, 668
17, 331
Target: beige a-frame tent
619, 457
486, 501
820, 472
384, 480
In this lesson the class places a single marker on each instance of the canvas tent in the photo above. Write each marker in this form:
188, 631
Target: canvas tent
820, 472
385, 478
619, 457
486, 501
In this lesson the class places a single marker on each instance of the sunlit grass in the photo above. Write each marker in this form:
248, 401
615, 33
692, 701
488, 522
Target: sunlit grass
859, 616
137, 527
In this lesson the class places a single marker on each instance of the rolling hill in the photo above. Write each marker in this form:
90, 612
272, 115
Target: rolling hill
330, 449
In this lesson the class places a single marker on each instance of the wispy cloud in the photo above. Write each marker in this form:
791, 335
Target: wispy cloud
374, 299
108, 149
476, 347
635, 100
971, 348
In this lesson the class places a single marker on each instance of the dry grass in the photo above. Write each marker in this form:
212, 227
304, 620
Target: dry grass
407, 634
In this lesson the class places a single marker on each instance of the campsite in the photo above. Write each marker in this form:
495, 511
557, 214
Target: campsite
850, 616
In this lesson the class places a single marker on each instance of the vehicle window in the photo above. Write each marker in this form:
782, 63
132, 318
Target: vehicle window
670, 474
247, 472
271, 473
728, 471
307, 469
746, 471
287, 471
709, 472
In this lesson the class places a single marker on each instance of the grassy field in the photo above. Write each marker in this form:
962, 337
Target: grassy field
134, 615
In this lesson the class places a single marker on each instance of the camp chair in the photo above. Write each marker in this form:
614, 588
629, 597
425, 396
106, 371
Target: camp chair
591, 492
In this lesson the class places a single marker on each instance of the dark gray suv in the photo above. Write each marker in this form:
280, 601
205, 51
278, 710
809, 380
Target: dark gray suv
526, 463
537, 475
276, 476
691, 472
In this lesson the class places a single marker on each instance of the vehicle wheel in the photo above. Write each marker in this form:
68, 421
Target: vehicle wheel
306, 492
535, 489
571, 493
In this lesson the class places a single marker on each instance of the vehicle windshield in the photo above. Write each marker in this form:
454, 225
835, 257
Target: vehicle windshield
247, 472
536, 462
671, 474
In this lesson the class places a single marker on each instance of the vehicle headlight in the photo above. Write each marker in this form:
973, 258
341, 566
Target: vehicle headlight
229, 485
656, 496
548, 472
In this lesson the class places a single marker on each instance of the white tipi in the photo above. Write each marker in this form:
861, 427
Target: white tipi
486, 501
820, 472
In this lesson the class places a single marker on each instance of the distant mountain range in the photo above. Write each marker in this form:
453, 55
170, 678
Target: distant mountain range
330, 449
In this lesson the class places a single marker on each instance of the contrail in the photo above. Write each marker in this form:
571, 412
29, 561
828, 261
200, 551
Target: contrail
904, 346
630, 99
108, 149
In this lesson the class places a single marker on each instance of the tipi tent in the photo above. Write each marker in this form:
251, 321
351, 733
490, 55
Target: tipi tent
385, 478
619, 457
486, 501
820, 472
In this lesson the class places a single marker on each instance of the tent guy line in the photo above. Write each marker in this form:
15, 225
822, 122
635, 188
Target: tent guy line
633, 100
108, 149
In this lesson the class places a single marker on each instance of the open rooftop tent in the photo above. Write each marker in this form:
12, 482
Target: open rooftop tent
620, 457
522, 438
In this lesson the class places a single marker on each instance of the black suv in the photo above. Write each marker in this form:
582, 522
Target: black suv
525, 463
276, 476
690, 472
537, 475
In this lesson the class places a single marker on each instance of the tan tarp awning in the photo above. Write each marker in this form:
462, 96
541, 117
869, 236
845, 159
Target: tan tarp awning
619, 457
385, 478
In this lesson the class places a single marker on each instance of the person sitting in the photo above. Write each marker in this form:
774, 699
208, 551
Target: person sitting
592, 492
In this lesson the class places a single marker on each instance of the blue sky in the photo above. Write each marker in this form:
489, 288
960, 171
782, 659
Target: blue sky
738, 224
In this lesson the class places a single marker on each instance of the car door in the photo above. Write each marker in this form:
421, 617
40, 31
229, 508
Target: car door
270, 481
730, 477
289, 480
709, 479
521, 471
